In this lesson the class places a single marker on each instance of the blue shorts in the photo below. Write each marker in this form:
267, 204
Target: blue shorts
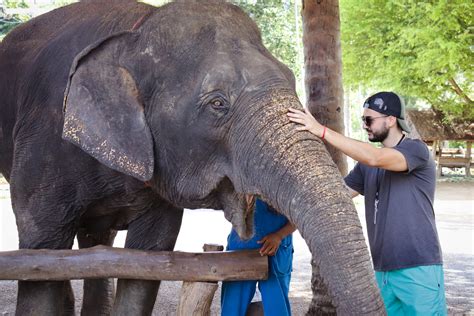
413, 291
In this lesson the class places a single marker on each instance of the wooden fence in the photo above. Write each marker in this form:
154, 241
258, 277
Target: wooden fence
199, 271
452, 157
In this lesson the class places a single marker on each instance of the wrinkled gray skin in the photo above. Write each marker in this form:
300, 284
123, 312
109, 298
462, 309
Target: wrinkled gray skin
119, 115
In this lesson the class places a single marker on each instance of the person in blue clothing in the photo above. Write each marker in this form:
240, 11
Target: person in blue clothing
398, 183
273, 236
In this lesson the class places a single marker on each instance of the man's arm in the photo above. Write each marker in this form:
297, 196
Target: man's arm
385, 158
353, 193
272, 241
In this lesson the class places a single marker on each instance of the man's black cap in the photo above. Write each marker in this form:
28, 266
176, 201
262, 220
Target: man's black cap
388, 103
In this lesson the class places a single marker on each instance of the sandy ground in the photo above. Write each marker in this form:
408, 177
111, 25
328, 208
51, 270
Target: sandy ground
454, 208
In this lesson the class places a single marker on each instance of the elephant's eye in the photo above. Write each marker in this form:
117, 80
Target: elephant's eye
217, 103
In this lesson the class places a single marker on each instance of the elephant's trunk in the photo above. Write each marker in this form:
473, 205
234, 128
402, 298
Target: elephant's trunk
294, 173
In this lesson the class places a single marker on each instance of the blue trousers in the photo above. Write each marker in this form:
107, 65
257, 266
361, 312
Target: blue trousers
237, 295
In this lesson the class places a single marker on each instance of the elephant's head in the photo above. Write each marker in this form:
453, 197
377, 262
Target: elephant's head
193, 103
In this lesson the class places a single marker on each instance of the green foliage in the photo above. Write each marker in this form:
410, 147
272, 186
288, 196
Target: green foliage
456, 144
6, 25
15, 4
421, 49
10, 21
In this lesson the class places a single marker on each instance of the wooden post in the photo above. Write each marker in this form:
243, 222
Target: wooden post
468, 156
433, 149
196, 297
439, 172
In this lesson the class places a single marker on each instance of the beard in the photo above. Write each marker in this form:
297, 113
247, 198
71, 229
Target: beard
379, 136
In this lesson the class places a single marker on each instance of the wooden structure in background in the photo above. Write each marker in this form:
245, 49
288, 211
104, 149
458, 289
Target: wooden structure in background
428, 126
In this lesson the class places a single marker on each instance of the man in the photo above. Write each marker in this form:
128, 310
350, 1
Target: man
273, 236
398, 183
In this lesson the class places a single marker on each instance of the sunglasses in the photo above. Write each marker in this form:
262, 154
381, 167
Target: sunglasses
368, 120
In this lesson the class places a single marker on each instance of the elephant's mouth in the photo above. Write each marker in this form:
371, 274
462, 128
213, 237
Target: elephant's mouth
241, 223
238, 208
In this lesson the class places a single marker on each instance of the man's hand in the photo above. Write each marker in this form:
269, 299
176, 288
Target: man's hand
272, 241
307, 121
270, 245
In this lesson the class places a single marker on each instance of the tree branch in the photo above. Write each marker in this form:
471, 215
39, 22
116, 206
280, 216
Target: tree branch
459, 91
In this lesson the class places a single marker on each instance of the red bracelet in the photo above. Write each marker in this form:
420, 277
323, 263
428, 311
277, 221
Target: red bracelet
324, 132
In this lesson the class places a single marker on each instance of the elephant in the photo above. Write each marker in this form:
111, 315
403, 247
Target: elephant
116, 115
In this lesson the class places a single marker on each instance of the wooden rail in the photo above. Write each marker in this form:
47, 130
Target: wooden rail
454, 162
108, 262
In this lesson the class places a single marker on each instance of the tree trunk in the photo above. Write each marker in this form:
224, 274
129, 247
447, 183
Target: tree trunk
323, 68
324, 95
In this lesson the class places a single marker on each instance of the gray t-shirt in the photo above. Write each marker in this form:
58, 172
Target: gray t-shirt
401, 229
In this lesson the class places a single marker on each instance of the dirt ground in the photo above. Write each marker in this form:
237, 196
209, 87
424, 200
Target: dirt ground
454, 208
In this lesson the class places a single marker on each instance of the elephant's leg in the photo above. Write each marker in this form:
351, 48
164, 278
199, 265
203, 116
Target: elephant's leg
45, 298
41, 298
157, 230
46, 213
98, 293
68, 299
321, 303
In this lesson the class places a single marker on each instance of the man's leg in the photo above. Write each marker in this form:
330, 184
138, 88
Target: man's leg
236, 297
421, 290
275, 295
392, 304
275, 289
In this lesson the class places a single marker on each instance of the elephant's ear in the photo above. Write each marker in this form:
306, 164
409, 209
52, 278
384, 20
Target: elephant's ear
103, 113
